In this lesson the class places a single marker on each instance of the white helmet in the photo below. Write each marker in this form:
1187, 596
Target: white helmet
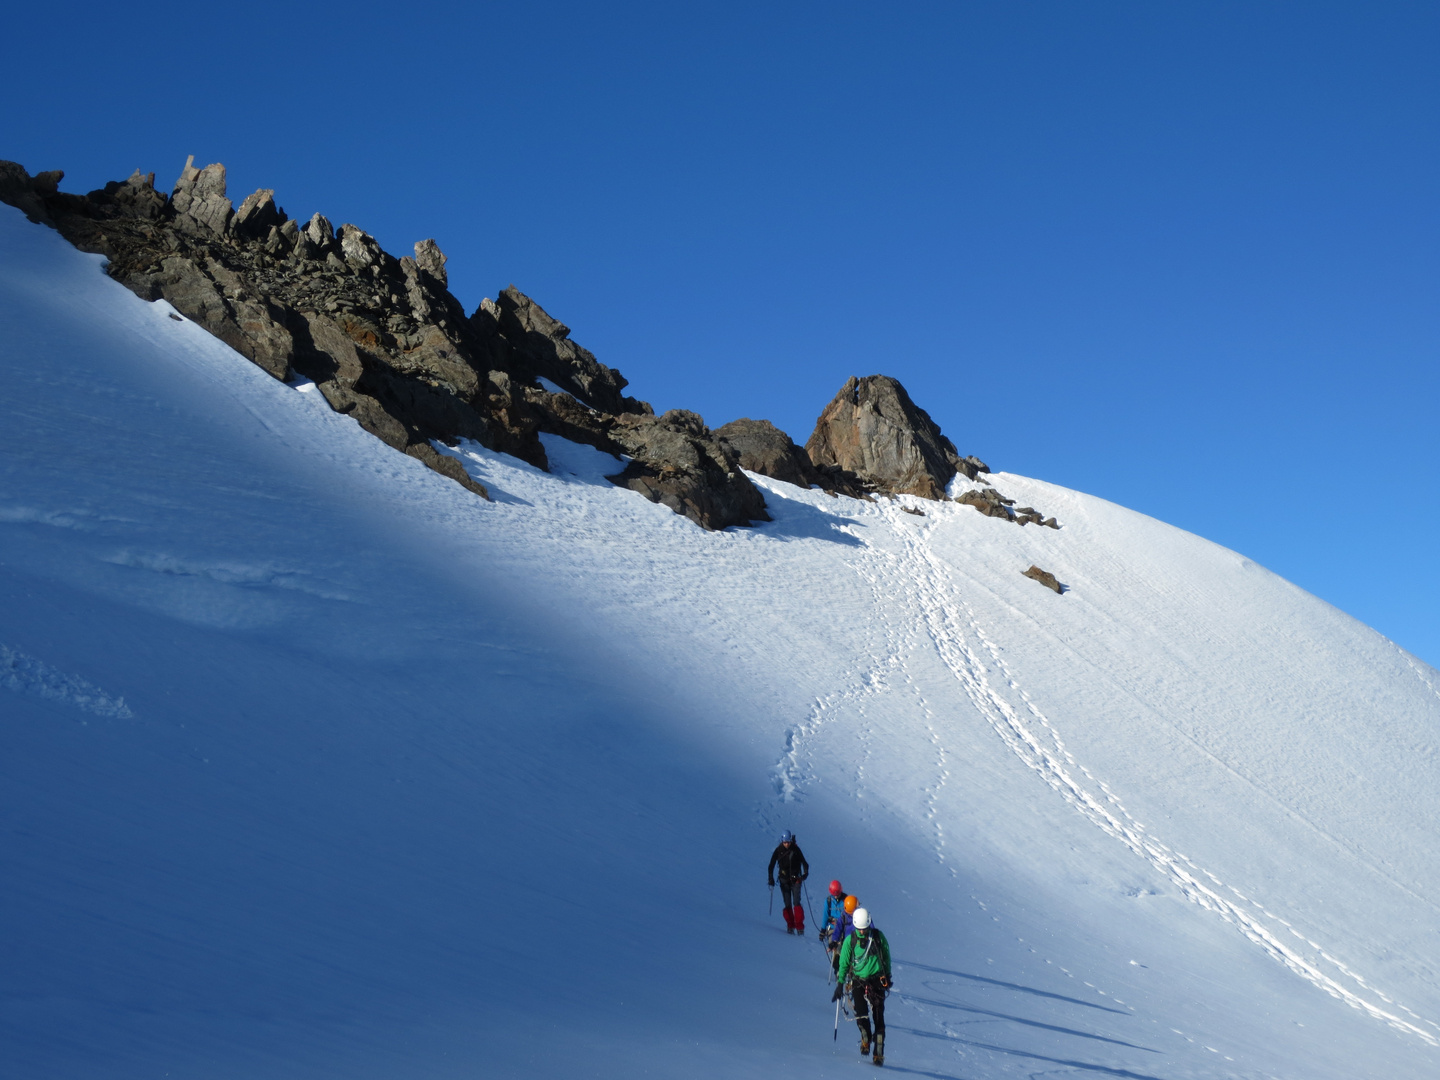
862, 919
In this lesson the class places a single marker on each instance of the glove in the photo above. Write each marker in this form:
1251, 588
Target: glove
838, 994
772, 884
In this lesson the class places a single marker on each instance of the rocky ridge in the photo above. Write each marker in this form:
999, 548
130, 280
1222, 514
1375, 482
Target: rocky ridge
386, 342
383, 338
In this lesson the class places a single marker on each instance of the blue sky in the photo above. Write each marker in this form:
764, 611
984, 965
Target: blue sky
1182, 256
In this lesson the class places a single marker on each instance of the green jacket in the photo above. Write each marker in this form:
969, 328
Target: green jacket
864, 959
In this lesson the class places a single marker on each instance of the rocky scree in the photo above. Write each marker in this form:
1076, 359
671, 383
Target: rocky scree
383, 338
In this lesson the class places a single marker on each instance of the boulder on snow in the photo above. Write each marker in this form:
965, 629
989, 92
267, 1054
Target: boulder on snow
761, 447
1044, 577
874, 430
992, 504
989, 502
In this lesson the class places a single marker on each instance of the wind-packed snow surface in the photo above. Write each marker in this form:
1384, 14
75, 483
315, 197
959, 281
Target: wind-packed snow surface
316, 765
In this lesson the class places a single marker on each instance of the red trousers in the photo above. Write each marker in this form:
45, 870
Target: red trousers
794, 910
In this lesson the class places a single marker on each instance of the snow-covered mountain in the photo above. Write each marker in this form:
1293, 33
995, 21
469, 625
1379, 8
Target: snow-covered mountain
317, 765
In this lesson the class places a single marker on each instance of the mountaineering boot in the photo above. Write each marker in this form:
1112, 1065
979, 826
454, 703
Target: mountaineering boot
879, 1057
864, 1023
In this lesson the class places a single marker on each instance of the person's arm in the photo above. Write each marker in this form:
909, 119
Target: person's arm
770, 872
847, 957
884, 955
804, 866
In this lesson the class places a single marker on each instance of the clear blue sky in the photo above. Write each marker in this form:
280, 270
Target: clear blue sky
1183, 256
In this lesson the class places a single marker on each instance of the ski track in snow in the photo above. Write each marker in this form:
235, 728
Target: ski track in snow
24, 674
954, 632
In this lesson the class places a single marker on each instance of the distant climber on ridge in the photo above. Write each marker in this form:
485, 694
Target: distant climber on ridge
865, 966
793, 869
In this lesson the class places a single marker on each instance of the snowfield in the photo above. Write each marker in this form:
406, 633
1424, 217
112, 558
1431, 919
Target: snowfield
316, 765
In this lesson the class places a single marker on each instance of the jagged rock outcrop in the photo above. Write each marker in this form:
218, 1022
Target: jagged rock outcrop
678, 461
383, 338
875, 431
540, 347
199, 199
1044, 577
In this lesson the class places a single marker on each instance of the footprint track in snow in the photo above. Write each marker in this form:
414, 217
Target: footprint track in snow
977, 663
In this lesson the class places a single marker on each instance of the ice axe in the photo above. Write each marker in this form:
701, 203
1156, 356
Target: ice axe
772, 898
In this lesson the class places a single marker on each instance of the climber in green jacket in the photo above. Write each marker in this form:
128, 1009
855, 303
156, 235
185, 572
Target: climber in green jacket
865, 967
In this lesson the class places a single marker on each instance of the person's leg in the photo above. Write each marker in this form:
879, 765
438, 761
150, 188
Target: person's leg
862, 1014
876, 994
791, 893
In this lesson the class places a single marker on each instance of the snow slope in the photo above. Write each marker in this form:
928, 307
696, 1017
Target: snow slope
315, 765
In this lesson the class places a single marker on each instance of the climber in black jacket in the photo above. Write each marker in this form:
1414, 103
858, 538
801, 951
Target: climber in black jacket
790, 861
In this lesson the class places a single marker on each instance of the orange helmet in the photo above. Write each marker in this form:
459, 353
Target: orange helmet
850, 905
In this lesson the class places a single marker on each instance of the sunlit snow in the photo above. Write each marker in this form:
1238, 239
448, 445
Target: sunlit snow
317, 765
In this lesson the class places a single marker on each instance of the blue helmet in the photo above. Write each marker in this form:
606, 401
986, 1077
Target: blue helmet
787, 837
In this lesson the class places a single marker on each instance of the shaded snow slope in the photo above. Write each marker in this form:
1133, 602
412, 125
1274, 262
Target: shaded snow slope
315, 765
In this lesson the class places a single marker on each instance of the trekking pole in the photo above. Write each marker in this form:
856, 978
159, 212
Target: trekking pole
836, 1036
772, 899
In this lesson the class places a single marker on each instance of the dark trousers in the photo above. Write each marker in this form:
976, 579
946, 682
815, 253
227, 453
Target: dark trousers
869, 996
790, 893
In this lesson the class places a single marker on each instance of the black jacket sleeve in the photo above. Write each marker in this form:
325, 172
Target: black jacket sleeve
770, 873
804, 866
